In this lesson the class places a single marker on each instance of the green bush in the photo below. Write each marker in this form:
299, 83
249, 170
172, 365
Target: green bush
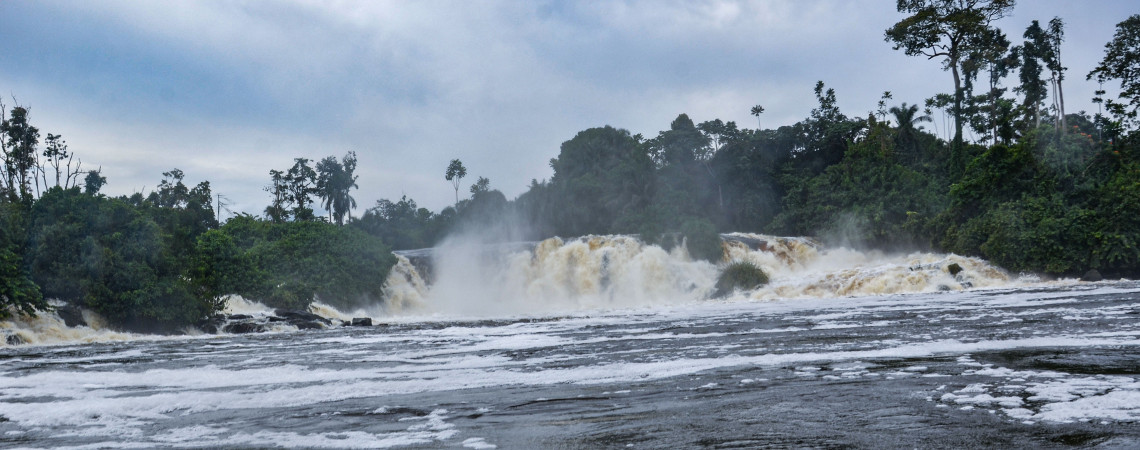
740, 275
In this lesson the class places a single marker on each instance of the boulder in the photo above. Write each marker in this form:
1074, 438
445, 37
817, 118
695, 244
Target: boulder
212, 324
293, 316
954, 269
244, 328
14, 339
361, 321
1092, 275
72, 316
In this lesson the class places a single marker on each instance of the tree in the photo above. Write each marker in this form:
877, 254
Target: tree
19, 152
93, 182
277, 211
603, 178
1122, 62
455, 174
335, 179
1031, 54
946, 29
907, 117
481, 186
55, 152
1053, 37
992, 56
301, 183
757, 111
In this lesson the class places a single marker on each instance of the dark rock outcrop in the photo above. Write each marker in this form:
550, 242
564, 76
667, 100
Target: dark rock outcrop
303, 320
361, 321
243, 328
292, 315
212, 324
72, 316
14, 339
954, 269
1092, 275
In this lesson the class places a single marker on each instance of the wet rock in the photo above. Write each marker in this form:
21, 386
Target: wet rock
72, 316
294, 316
361, 321
244, 328
212, 324
305, 325
1092, 275
954, 269
239, 317
14, 339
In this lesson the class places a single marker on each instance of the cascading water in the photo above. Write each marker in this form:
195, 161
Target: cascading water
558, 276
606, 272
801, 269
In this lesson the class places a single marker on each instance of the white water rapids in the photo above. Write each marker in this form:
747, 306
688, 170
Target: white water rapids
597, 273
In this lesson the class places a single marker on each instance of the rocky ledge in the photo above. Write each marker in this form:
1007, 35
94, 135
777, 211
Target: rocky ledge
245, 323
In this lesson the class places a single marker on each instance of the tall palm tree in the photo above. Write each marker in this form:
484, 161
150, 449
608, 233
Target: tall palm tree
907, 118
335, 182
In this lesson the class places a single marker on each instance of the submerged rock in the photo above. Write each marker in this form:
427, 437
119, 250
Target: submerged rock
1092, 275
361, 321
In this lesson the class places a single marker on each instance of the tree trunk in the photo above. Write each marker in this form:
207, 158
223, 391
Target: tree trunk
957, 158
1061, 101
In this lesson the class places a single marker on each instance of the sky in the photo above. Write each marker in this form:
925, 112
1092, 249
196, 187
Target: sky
228, 90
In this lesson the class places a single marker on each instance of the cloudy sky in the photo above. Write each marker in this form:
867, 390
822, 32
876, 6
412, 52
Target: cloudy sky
227, 90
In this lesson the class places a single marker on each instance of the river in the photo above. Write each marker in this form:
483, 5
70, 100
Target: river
1027, 364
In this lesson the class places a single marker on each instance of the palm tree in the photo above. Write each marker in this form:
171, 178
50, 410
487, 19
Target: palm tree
757, 111
335, 182
907, 117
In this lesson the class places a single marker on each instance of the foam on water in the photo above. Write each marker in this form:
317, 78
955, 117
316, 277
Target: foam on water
120, 407
47, 328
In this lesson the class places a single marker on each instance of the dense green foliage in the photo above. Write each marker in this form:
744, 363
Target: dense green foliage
111, 257
288, 265
740, 275
160, 262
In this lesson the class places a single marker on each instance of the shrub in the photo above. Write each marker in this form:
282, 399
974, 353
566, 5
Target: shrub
740, 275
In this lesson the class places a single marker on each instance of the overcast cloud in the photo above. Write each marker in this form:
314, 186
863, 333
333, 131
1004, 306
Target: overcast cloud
227, 90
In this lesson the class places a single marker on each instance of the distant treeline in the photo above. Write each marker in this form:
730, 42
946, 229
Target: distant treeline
1039, 190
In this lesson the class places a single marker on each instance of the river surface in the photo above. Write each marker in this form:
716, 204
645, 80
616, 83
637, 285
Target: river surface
1029, 367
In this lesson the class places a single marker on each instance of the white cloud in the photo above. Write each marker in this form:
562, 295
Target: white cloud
498, 84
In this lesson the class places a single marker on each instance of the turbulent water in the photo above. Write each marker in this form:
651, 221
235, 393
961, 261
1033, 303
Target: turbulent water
604, 342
